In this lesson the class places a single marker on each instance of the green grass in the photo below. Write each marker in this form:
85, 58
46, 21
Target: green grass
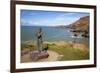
67, 50
27, 46
70, 53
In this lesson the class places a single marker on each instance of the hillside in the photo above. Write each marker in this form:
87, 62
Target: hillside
81, 25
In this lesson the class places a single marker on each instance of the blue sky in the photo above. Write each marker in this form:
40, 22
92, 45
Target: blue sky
49, 18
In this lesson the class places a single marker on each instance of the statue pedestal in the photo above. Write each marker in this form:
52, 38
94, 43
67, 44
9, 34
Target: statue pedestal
36, 55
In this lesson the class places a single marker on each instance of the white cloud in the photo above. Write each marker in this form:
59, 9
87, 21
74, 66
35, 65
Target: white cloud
62, 19
34, 23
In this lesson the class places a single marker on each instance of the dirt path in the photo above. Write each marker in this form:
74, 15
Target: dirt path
53, 56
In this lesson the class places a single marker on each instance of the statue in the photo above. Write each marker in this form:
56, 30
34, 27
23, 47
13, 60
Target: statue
41, 52
39, 40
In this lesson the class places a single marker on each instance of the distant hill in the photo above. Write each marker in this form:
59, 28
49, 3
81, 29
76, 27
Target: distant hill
81, 25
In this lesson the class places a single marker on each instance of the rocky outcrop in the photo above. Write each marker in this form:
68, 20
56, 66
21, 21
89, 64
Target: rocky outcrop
81, 25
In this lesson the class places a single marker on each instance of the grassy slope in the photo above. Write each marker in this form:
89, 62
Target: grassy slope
70, 53
66, 50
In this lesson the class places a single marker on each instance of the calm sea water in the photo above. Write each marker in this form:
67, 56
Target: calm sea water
51, 34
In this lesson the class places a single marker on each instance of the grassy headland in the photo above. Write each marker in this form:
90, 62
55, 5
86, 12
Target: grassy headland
66, 50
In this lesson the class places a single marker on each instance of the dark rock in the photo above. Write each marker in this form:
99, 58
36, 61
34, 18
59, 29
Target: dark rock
85, 35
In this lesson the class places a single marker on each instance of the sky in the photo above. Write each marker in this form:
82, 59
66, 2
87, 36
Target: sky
49, 18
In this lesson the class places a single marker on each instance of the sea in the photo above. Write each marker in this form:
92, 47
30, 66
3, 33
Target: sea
51, 33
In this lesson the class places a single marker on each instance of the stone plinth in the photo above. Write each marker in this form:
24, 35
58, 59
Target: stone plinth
36, 55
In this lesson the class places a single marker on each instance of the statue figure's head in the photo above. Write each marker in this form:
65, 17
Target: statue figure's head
40, 29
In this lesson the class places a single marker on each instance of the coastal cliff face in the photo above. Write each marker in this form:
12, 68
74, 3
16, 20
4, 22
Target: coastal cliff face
81, 25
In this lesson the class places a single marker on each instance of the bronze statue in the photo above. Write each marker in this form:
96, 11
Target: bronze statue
42, 52
40, 40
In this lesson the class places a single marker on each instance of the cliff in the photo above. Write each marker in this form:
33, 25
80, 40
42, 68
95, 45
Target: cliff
81, 25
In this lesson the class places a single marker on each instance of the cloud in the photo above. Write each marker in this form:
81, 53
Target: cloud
60, 19
34, 23
28, 22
